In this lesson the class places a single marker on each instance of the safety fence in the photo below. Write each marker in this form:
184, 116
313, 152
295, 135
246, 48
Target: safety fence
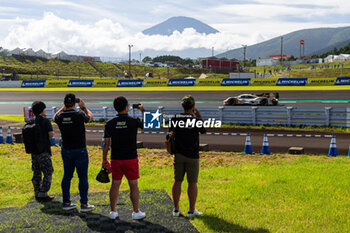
275, 81
247, 147
250, 115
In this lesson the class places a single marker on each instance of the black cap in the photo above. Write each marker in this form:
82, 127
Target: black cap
69, 98
38, 107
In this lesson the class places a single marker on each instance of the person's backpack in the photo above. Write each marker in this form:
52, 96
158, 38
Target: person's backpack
32, 138
170, 143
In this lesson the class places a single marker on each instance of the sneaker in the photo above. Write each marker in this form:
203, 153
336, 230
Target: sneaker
113, 214
194, 213
69, 206
176, 213
86, 208
139, 215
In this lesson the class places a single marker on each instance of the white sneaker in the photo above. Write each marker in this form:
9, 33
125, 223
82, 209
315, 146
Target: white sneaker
176, 213
113, 215
195, 213
139, 215
86, 208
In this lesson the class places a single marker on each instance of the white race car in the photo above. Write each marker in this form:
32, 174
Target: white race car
264, 99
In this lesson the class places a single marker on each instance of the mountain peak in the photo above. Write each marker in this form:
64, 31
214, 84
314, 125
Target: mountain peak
179, 23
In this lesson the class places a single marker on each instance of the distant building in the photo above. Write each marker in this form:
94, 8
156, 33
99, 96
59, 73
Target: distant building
219, 64
337, 58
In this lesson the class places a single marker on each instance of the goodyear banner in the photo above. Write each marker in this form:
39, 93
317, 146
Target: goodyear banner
56, 83
155, 83
208, 82
320, 81
291, 82
343, 81
181, 82
37, 83
105, 83
130, 83
80, 83
263, 82
235, 82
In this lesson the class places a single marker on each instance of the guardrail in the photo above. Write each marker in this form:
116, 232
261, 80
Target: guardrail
289, 116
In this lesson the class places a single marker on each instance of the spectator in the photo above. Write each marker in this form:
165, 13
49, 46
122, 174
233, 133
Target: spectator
74, 153
41, 162
121, 134
186, 158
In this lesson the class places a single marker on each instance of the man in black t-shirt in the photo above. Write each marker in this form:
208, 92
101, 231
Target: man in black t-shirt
186, 158
74, 152
41, 163
121, 132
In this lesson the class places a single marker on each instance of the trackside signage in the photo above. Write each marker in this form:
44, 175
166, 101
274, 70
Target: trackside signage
38, 83
235, 82
130, 83
343, 81
156, 120
80, 83
181, 82
291, 81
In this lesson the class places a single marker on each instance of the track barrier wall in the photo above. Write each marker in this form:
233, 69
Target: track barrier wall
178, 82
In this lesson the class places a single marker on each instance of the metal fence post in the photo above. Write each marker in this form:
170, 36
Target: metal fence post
221, 109
328, 115
289, 115
105, 112
254, 115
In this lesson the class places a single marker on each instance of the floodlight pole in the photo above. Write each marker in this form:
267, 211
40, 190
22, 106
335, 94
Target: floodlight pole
281, 52
244, 53
130, 45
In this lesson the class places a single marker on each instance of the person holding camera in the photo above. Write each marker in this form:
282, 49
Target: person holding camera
121, 135
186, 158
74, 153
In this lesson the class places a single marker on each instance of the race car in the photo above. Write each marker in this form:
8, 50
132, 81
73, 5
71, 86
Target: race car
263, 99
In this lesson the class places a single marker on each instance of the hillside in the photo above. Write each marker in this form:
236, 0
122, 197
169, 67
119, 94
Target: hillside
317, 41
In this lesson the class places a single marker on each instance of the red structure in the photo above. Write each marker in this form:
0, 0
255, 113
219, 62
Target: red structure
217, 64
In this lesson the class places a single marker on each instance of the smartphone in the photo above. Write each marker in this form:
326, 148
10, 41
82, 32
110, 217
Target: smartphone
136, 105
77, 100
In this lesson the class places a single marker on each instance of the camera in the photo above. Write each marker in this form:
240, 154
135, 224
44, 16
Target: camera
77, 100
136, 106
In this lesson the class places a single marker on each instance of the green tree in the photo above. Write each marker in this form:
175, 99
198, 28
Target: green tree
146, 59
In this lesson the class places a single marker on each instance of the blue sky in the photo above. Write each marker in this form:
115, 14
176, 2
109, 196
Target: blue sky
105, 27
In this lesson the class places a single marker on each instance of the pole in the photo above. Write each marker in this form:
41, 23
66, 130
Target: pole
130, 60
244, 54
140, 58
281, 52
212, 51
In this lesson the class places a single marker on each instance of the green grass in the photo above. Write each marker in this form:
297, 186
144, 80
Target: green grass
277, 193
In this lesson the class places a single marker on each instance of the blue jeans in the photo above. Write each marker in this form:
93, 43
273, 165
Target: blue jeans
79, 159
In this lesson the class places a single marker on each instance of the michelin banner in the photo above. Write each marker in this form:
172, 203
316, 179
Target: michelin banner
56, 83
343, 81
291, 82
208, 82
155, 83
235, 82
80, 83
320, 81
181, 82
263, 82
105, 83
130, 83
37, 83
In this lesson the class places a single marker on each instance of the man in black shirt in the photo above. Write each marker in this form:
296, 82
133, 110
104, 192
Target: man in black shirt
121, 131
74, 152
41, 163
186, 158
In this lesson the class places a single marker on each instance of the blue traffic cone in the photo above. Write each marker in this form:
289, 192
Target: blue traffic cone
9, 135
265, 147
248, 145
102, 142
333, 151
349, 152
60, 141
1, 135
53, 141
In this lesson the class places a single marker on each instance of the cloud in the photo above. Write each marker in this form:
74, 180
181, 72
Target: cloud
106, 38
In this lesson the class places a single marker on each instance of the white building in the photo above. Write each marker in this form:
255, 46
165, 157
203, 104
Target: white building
42, 54
17, 51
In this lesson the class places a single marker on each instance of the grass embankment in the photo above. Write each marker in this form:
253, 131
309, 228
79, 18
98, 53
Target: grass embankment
277, 193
